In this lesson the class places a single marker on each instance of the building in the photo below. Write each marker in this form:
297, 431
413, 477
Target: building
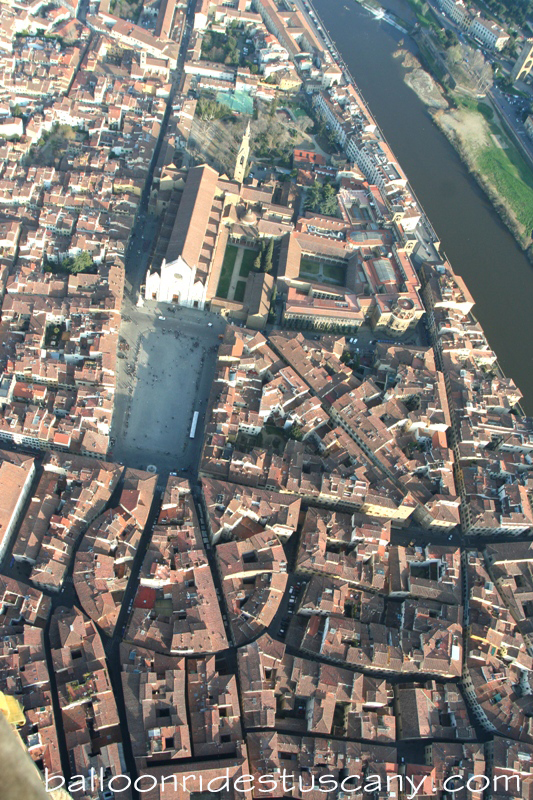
16, 476
175, 610
524, 62
457, 12
185, 270
87, 707
489, 33
241, 162
154, 687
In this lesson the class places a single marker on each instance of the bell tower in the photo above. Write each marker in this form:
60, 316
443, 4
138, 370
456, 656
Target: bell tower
242, 156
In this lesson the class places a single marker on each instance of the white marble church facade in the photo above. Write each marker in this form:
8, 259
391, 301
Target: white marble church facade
176, 284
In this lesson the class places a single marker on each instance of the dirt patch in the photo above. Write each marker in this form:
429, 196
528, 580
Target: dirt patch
467, 129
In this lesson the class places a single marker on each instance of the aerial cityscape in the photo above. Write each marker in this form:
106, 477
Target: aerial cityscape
266, 524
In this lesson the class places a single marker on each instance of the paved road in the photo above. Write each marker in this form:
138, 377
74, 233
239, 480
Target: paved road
513, 116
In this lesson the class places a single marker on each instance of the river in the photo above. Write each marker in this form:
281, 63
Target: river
477, 243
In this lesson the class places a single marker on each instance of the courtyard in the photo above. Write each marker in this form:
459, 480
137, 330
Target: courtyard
237, 265
322, 272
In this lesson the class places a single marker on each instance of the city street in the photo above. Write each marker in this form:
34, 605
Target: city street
513, 116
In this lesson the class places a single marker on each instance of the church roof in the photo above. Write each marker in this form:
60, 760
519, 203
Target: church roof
249, 218
192, 219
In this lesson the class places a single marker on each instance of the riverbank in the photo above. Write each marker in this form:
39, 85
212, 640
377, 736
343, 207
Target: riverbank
491, 157
474, 239
497, 166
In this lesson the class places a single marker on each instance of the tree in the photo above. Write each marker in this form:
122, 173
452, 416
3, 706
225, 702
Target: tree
208, 109
332, 140
296, 432
257, 261
451, 39
322, 199
274, 103
82, 262
313, 196
267, 261
329, 205
440, 36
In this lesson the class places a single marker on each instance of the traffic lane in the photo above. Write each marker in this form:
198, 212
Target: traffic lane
288, 605
513, 111
509, 115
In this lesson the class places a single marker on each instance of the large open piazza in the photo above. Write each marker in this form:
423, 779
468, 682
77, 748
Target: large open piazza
163, 377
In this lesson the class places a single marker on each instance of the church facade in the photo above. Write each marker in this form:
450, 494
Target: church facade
176, 284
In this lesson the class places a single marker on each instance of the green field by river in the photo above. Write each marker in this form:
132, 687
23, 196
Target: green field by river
508, 172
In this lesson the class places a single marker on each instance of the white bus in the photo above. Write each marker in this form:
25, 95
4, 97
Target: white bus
194, 424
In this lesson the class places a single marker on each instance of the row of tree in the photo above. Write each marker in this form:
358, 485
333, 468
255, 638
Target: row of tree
264, 259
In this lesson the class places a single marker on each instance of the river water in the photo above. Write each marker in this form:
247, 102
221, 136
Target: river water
478, 245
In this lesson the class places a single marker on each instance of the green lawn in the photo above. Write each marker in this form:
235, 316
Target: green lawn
248, 258
309, 267
334, 273
227, 270
239, 291
474, 105
508, 172
326, 273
